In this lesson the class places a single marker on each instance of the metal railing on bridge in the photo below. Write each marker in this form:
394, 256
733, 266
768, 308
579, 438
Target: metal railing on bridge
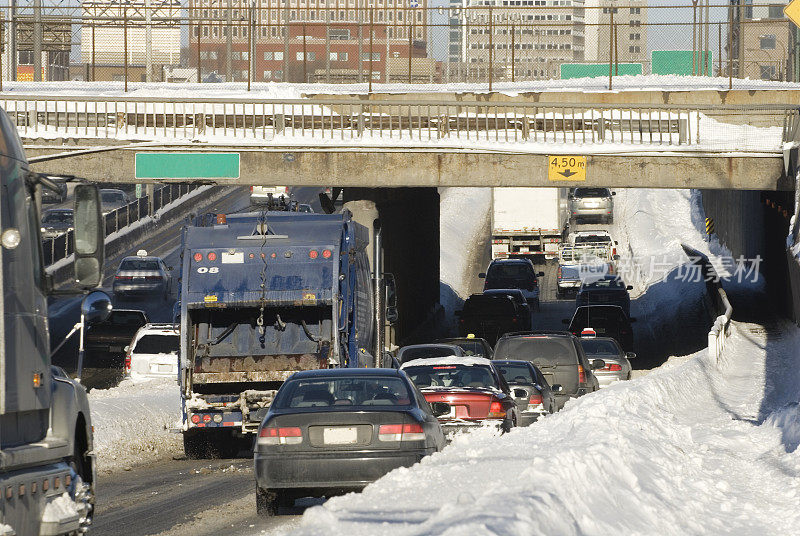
396, 121
62, 246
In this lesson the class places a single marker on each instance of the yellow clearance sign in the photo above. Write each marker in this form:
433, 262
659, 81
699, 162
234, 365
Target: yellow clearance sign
792, 12
566, 168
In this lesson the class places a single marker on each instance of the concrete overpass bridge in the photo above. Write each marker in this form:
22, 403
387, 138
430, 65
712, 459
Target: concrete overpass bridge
394, 150
622, 139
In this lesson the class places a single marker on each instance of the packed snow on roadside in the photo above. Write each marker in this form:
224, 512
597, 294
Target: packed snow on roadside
132, 422
689, 449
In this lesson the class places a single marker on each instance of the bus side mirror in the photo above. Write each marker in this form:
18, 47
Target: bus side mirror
89, 236
391, 314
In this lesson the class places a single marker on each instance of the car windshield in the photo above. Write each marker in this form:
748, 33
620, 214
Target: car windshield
591, 192
112, 197
591, 239
343, 392
599, 346
516, 373
157, 344
58, 217
553, 349
451, 376
138, 264
425, 352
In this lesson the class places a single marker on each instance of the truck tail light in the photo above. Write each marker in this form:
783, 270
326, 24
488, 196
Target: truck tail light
212, 256
326, 254
280, 436
199, 256
313, 254
401, 432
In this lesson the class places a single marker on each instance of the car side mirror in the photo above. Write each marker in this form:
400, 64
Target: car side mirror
169, 268
565, 320
89, 233
632, 320
629, 287
556, 388
541, 274
613, 193
482, 275
392, 314
96, 307
630, 355
126, 349
440, 408
598, 364
520, 393
615, 257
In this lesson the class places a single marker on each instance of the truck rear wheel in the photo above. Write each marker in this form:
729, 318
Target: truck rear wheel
196, 446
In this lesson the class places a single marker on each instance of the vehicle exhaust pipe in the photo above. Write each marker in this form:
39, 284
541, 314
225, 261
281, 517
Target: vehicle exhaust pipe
377, 278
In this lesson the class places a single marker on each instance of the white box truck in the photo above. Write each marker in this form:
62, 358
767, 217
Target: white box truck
528, 222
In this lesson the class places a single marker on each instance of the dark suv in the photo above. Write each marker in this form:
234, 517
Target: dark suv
490, 316
560, 358
607, 291
603, 321
514, 273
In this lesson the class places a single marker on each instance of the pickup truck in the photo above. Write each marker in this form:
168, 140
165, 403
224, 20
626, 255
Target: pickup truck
105, 344
583, 262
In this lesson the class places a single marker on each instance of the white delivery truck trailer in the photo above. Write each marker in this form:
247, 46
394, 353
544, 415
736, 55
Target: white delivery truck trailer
528, 222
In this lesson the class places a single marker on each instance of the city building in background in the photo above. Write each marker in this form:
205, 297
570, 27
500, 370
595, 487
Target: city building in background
311, 40
147, 31
630, 21
535, 36
763, 40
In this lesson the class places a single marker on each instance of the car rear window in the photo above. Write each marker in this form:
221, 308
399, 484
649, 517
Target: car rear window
605, 284
473, 348
591, 192
559, 350
612, 318
490, 305
58, 217
451, 376
595, 347
425, 353
157, 344
510, 275
343, 392
138, 264
516, 373
592, 239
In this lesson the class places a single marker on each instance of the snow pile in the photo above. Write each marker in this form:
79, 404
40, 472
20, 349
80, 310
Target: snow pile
463, 224
132, 421
678, 452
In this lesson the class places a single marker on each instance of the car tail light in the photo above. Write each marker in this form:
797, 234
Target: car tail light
127, 362
401, 432
212, 256
286, 189
558, 273
496, 411
514, 320
535, 399
313, 254
581, 374
199, 256
280, 436
612, 367
326, 254
251, 189
153, 278
123, 278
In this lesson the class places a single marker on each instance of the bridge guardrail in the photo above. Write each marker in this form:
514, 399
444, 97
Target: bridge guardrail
719, 127
62, 246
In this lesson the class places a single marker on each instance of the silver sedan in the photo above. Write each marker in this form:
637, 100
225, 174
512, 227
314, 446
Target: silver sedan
617, 365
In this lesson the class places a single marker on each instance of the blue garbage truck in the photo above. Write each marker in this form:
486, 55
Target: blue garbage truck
264, 295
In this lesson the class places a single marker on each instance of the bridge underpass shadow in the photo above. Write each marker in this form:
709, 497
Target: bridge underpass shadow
673, 318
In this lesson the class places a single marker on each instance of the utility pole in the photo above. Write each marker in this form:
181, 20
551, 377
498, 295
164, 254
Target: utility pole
148, 41
360, 42
229, 43
12, 41
285, 77
707, 49
37, 40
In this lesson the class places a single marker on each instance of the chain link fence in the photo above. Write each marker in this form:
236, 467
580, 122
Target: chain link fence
373, 42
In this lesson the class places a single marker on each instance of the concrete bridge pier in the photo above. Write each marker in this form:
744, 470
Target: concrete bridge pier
410, 222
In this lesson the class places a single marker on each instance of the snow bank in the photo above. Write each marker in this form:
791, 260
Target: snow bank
131, 422
677, 452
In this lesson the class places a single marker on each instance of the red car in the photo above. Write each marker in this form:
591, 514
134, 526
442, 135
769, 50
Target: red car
477, 393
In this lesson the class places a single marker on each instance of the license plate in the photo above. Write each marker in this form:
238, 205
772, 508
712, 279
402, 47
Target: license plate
340, 435
524, 250
592, 205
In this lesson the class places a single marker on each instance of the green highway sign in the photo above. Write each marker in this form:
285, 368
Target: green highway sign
187, 165
678, 62
593, 70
